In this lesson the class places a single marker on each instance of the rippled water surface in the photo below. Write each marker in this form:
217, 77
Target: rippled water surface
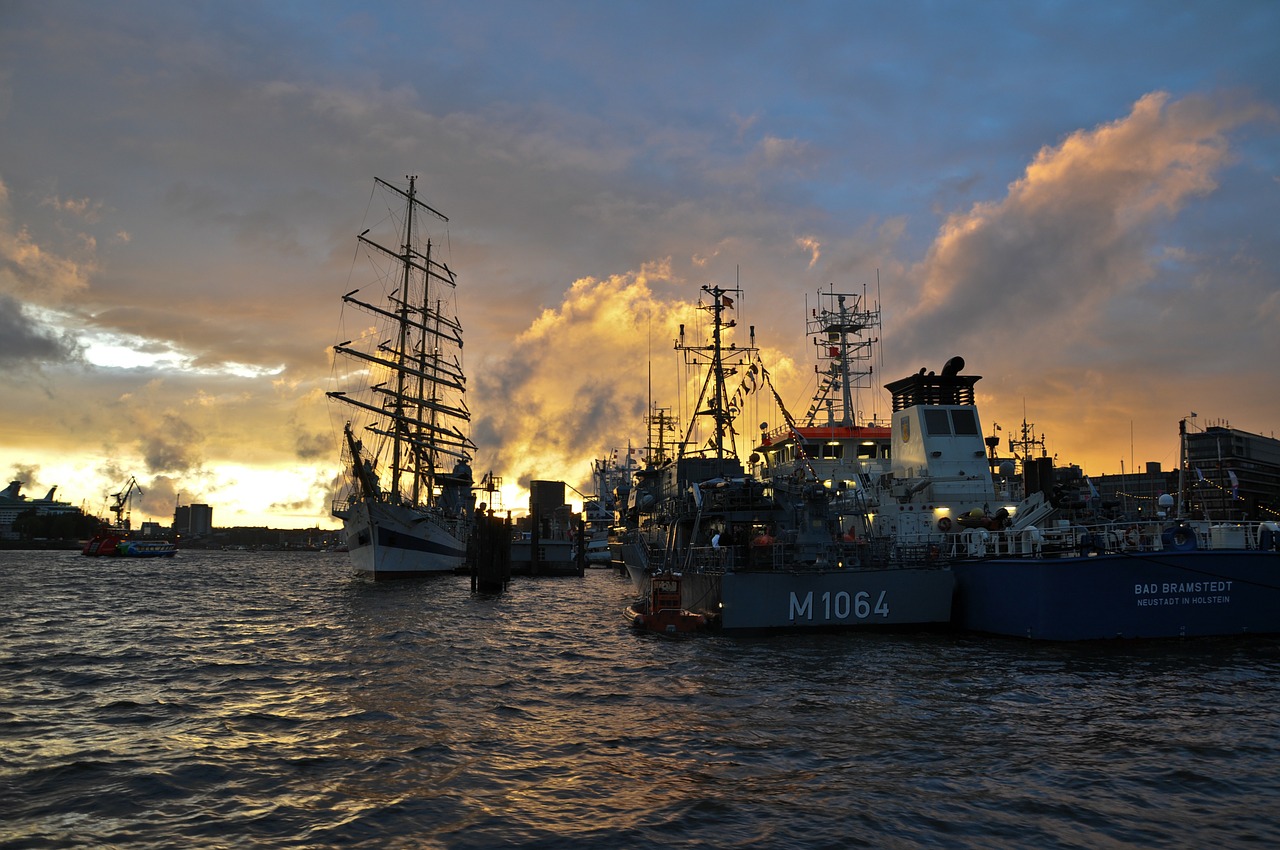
241, 699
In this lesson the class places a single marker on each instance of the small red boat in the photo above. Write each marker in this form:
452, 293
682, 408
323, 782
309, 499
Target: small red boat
114, 544
662, 611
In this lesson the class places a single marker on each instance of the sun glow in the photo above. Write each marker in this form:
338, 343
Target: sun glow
240, 495
110, 349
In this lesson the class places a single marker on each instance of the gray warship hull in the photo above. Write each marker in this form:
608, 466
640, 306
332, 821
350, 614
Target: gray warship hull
810, 598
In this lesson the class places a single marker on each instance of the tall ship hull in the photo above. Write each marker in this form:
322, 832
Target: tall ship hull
388, 541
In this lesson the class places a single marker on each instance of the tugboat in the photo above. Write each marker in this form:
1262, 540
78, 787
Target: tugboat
662, 612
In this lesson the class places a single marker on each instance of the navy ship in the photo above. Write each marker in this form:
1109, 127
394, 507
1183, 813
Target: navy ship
769, 551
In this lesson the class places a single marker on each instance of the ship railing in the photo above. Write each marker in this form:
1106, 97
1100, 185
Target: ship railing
636, 552
712, 559
1068, 540
793, 556
780, 555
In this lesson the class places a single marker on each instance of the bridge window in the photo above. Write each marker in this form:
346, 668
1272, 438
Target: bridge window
965, 422
937, 422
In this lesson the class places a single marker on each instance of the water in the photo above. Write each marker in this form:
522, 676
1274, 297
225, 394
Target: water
242, 699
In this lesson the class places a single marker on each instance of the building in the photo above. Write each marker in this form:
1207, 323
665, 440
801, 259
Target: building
1232, 474
1229, 476
1136, 494
193, 520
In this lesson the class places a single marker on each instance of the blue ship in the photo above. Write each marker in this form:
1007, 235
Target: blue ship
1027, 568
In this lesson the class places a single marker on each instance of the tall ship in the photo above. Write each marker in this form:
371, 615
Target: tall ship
408, 504
770, 550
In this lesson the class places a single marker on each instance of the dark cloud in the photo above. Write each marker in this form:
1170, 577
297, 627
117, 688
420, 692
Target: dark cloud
28, 474
25, 342
160, 496
313, 446
168, 444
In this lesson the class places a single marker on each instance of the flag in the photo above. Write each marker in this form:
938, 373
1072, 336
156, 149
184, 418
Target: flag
1199, 474
726, 300
1093, 491
1235, 483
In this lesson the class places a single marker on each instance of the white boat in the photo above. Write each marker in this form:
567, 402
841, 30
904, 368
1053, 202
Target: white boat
408, 506
611, 477
598, 552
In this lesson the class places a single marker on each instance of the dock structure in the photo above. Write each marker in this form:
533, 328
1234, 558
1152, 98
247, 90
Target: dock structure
549, 541
490, 553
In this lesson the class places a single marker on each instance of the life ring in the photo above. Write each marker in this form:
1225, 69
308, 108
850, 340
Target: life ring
934, 552
1179, 538
944, 524
1131, 538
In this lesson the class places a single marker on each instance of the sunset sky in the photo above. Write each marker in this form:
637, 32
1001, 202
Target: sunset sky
1081, 199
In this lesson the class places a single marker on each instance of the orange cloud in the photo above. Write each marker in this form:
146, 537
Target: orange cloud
1079, 226
32, 272
1070, 287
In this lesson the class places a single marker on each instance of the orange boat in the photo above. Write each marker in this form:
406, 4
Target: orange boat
662, 611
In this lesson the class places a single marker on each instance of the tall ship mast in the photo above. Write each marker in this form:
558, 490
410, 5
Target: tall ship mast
408, 502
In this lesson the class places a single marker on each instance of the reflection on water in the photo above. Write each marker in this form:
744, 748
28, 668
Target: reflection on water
225, 698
